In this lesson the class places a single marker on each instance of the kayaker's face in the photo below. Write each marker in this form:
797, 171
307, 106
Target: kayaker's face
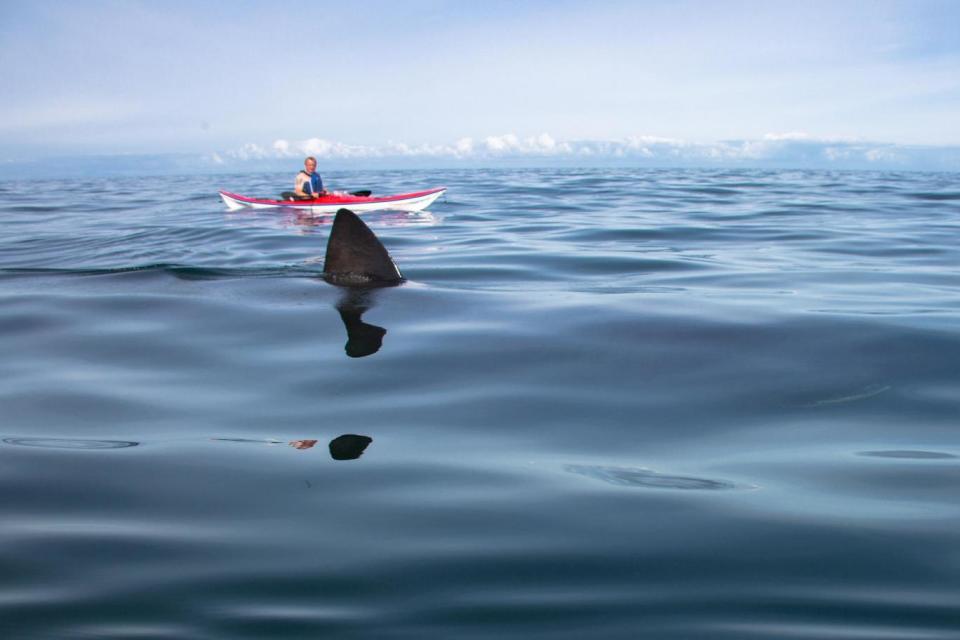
310, 166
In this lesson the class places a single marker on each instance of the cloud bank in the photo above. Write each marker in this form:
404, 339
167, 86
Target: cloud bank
790, 149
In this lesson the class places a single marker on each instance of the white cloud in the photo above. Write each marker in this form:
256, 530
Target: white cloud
882, 155
510, 143
501, 143
837, 153
249, 151
314, 147
790, 135
644, 141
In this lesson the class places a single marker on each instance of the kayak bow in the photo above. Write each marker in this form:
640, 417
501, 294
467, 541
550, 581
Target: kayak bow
330, 203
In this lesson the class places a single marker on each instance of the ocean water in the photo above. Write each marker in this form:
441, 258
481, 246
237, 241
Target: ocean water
671, 404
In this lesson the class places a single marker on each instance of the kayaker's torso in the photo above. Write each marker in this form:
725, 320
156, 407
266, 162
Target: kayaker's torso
308, 184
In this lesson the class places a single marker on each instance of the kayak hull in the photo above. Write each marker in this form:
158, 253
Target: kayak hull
416, 201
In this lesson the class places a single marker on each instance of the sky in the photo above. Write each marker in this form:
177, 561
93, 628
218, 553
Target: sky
240, 82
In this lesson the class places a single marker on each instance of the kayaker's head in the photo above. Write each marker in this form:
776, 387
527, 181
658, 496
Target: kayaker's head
310, 164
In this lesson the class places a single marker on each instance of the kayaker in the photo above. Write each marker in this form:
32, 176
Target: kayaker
308, 183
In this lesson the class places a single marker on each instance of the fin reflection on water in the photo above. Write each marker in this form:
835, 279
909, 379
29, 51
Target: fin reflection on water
363, 339
349, 446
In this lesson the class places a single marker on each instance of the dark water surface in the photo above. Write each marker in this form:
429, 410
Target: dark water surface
608, 404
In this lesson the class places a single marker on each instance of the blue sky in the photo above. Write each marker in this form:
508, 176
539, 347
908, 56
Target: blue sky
242, 81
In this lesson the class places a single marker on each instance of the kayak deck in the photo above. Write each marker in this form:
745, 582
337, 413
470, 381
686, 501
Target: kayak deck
330, 203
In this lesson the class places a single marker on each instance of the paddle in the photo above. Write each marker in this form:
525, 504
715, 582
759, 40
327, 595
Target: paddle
365, 193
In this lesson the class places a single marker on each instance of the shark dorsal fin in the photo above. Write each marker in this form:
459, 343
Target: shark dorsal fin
355, 257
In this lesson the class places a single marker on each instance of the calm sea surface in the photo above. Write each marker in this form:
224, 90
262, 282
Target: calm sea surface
608, 404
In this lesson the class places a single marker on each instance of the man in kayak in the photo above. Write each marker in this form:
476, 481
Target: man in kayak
308, 184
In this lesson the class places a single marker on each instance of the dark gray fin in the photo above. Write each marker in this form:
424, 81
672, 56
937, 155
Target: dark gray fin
349, 446
355, 257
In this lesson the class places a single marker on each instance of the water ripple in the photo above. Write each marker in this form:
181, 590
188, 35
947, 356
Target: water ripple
904, 454
637, 477
68, 443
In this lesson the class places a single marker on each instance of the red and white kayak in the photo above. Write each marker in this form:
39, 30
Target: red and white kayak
330, 203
